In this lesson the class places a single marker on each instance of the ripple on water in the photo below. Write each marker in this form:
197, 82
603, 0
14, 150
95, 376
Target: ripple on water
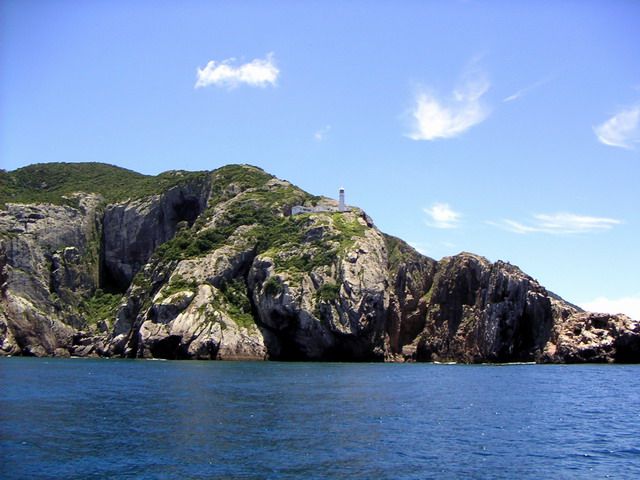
134, 419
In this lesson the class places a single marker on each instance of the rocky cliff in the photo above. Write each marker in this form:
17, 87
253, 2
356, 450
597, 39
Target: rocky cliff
212, 265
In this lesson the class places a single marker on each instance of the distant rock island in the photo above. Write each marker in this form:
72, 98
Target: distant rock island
96, 260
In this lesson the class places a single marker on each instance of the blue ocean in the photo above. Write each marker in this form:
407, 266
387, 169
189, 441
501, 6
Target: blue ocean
85, 418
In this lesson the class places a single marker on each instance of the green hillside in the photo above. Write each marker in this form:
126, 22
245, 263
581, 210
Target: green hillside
51, 182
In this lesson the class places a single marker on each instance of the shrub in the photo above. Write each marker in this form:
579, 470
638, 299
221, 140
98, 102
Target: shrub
100, 306
236, 300
272, 287
328, 292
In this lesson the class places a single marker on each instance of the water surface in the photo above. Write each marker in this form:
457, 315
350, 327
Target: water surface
83, 418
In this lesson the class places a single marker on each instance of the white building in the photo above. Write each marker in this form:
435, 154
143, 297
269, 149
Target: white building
297, 209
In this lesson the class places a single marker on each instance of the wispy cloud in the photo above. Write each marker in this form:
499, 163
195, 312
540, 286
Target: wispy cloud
526, 90
437, 117
441, 215
622, 130
628, 305
558, 224
321, 134
260, 72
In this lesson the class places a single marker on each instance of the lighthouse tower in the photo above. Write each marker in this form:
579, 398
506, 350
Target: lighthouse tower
341, 205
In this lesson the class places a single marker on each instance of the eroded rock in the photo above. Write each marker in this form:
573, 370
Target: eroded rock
218, 268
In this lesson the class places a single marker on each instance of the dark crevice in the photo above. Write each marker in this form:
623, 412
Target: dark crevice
187, 210
171, 213
107, 281
52, 277
168, 348
277, 342
627, 349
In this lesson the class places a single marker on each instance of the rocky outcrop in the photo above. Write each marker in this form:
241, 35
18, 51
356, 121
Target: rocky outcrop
134, 229
216, 267
334, 311
189, 310
479, 312
48, 262
411, 277
595, 338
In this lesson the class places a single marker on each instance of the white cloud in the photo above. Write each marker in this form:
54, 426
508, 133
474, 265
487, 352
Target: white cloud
257, 73
558, 223
622, 130
321, 134
524, 91
436, 118
441, 215
628, 305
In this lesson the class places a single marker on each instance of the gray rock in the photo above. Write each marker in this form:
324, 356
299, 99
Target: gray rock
259, 284
134, 229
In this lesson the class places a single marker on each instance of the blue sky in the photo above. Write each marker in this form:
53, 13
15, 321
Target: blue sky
508, 129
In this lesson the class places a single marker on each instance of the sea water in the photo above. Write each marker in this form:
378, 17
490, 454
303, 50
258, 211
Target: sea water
82, 418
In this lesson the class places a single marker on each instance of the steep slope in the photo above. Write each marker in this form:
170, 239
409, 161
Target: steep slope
49, 261
212, 265
250, 280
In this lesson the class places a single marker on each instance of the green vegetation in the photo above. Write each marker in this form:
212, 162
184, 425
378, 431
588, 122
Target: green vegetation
292, 251
348, 230
243, 319
236, 298
229, 180
178, 284
398, 252
328, 292
142, 281
317, 252
212, 316
262, 208
308, 260
184, 245
272, 287
51, 182
100, 306
231, 298
427, 296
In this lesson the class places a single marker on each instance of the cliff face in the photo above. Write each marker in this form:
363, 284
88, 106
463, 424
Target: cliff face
213, 266
480, 311
49, 260
134, 229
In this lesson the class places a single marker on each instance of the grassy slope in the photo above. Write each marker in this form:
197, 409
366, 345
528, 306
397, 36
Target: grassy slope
50, 182
260, 205
254, 202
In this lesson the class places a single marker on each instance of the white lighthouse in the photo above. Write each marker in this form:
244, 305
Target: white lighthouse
322, 207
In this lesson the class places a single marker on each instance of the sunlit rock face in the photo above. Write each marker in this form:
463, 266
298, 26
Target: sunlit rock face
214, 265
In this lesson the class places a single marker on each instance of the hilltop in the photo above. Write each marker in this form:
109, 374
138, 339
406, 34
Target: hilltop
96, 260
55, 182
